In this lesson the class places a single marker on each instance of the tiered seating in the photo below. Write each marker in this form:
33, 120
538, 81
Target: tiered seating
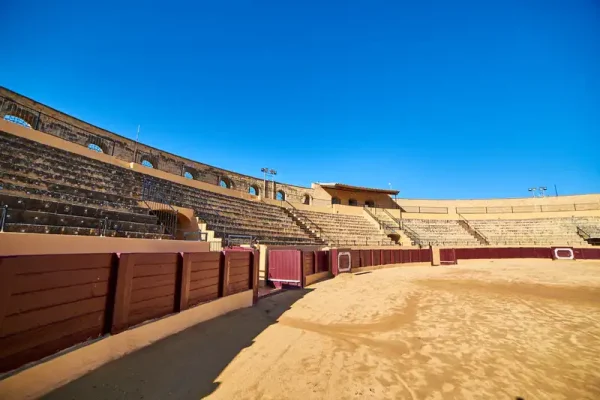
547, 231
440, 232
47, 191
344, 229
590, 225
30, 170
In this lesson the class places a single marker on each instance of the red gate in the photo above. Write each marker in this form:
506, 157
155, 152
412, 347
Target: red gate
285, 267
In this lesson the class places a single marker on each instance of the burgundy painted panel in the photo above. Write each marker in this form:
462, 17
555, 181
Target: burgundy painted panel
387, 257
365, 258
397, 255
376, 257
285, 267
426, 255
587, 254
448, 256
322, 261
355, 255
543, 252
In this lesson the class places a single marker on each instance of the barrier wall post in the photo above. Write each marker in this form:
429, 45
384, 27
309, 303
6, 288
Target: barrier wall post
122, 293
184, 280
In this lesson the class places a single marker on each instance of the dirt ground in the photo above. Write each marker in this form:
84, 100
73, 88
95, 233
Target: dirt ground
478, 330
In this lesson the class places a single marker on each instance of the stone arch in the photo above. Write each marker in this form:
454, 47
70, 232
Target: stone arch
336, 200
352, 202
17, 120
226, 182
280, 195
306, 199
147, 162
189, 173
370, 203
254, 190
95, 147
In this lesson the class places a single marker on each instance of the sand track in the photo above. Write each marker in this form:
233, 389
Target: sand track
480, 330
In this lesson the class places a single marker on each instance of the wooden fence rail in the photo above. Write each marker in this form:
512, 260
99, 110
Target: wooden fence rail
52, 302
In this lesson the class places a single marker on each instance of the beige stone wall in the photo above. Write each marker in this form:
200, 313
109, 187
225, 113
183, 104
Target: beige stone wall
56, 123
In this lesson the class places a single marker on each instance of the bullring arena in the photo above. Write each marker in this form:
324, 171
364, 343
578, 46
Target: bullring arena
129, 272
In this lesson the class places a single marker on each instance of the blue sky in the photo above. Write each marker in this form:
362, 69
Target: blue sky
442, 99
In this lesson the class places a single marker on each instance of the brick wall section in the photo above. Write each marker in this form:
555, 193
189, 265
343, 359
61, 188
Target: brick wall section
49, 120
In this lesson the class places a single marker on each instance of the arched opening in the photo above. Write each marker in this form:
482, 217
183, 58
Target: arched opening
17, 120
189, 172
253, 190
306, 199
147, 163
352, 202
280, 195
225, 182
370, 203
95, 147
336, 200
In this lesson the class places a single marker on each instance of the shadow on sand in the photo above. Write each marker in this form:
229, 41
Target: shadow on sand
184, 365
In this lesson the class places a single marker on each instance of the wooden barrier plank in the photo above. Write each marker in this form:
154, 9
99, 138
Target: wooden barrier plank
25, 302
208, 257
148, 314
46, 348
150, 293
204, 266
48, 280
153, 281
32, 338
122, 293
8, 268
151, 303
199, 275
155, 258
214, 281
203, 291
238, 287
61, 262
154, 270
34, 319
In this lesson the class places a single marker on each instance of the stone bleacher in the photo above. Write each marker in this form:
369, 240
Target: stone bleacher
544, 231
341, 229
49, 190
440, 232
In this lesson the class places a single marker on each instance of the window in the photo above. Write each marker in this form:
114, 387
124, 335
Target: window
17, 120
147, 163
352, 202
253, 190
188, 175
95, 147
370, 203
226, 183
280, 195
336, 200
306, 199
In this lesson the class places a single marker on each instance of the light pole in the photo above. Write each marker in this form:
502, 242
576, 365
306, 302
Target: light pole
543, 191
268, 172
532, 190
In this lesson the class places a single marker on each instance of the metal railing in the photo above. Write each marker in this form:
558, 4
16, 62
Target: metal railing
158, 199
414, 236
476, 231
382, 224
311, 224
14, 111
584, 235
3, 212
244, 239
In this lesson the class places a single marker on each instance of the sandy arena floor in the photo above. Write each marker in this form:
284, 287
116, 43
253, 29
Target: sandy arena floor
479, 330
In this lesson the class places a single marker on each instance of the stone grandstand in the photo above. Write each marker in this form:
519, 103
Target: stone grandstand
53, 183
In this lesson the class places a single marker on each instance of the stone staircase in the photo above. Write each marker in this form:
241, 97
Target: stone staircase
312, 229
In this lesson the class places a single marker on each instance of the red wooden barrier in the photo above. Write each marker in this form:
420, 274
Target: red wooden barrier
322, 261
285, 267
48, 303
376, 257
